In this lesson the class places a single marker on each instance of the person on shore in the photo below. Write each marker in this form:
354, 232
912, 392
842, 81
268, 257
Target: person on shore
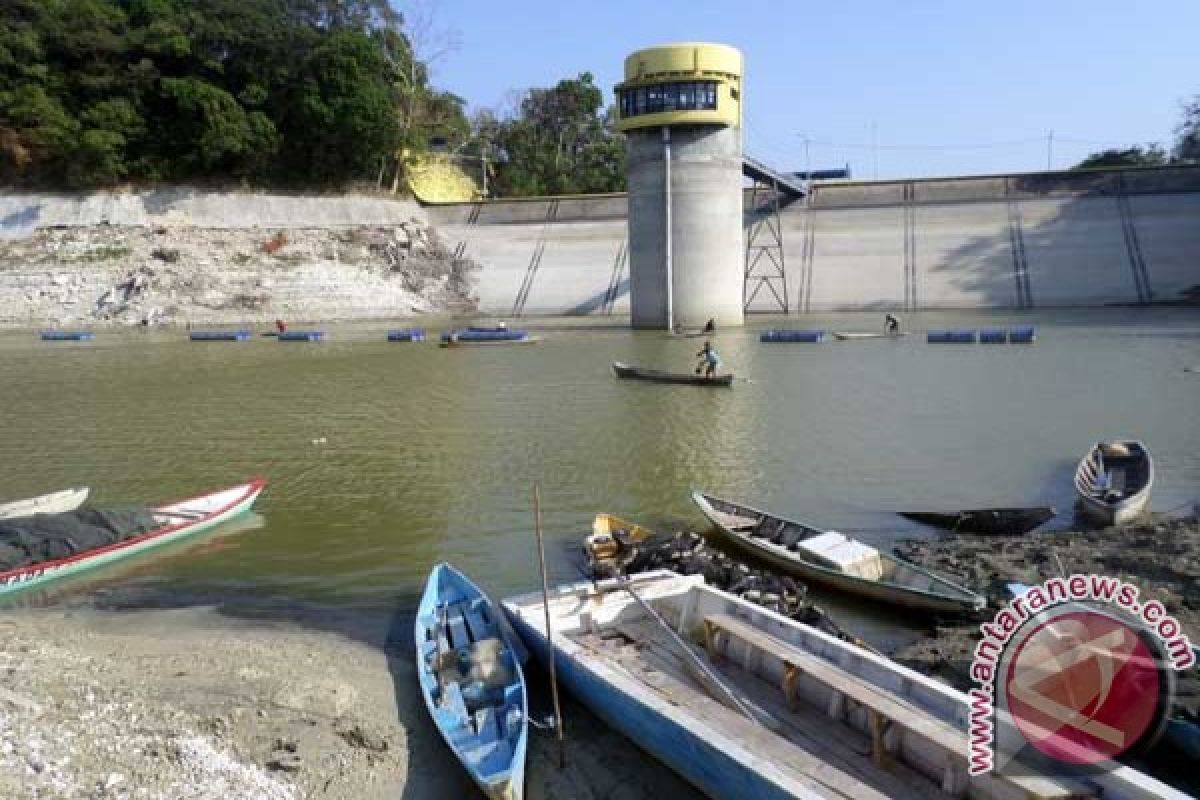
710, 326
710, 360
891, 324
280, 326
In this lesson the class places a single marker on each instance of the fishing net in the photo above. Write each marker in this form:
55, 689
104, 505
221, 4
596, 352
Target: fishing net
49, 537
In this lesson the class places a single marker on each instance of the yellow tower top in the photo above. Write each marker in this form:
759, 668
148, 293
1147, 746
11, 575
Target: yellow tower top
689, 83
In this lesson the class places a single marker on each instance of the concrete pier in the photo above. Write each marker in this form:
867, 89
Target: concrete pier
707, 249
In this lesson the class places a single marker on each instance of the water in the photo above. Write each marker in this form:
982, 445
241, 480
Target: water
424, 454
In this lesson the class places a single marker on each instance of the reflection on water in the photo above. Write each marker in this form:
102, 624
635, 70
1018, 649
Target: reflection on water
423, 454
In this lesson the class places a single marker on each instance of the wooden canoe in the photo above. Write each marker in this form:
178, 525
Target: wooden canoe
488, 342
853, 336
178, 520
53, 503
1114, 480
835, 560
991, 521
656, 376
472, 682
746, 703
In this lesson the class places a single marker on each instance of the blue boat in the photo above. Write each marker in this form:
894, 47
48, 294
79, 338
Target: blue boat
407, 335
219, 336
67, 336
472, 682
302, 336
1184, 736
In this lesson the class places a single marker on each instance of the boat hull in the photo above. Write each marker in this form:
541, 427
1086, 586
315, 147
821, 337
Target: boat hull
1093, 504
989, 521
53, 503
854, 336
455, 343
680, 746
445, 581
890, 593
655, 376
241, 500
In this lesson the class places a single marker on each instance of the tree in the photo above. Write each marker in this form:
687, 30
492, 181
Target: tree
560, 141
1150, 155
1187, 145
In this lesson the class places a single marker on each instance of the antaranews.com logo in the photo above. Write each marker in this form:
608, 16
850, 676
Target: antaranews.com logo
1070, 675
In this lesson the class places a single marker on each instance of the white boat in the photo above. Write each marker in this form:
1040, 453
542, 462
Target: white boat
176, 521
745, 703
1114, 480
852, 336
53, 503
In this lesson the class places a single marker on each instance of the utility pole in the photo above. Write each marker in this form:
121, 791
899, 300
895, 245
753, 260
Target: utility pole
875, 150
1050, 151
807, 162
483, 158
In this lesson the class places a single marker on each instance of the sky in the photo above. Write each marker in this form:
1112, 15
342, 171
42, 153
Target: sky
899, 88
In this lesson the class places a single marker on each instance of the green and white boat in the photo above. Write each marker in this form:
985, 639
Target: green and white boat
177, 521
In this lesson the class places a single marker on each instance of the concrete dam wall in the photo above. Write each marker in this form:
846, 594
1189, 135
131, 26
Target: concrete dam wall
1009, 241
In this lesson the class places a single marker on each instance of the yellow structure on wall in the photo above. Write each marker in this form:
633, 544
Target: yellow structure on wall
438, 178
689, 83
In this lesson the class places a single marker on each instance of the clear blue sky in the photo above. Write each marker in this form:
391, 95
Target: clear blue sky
951, 87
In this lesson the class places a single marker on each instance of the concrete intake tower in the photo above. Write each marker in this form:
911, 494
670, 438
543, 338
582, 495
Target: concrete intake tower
680, 107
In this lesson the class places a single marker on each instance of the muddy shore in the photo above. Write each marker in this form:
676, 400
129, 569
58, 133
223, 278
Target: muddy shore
1161, 557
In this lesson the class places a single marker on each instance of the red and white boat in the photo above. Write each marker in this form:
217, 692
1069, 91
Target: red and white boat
178, 521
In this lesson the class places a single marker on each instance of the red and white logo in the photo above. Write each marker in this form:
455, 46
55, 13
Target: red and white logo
1083, 686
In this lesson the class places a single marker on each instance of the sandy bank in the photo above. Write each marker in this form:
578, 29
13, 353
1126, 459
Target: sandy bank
193, 705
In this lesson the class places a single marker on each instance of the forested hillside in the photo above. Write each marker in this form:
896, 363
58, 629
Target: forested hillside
285, 92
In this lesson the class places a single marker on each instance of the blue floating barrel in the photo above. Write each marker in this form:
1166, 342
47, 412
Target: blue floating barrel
993, 336
951, 337
407, 335
219, 336
302, 336
791, 336
67, 336
1022, 335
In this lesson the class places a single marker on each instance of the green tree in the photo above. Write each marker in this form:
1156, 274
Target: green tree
561, 141
1187, 143
1150, 155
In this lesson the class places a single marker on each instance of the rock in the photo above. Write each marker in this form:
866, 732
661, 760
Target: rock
285, 763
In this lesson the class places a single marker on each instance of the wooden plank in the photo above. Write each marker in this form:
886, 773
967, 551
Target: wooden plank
458, 631
883, 708
802, 744
478, 628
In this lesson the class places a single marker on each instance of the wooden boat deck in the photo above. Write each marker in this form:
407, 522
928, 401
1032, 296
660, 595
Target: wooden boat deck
833, 760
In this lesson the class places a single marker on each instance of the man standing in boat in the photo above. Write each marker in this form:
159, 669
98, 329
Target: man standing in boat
711, 360
891, 325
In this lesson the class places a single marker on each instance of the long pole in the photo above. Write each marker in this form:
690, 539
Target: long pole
1050, 151
558, 720
666, 136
